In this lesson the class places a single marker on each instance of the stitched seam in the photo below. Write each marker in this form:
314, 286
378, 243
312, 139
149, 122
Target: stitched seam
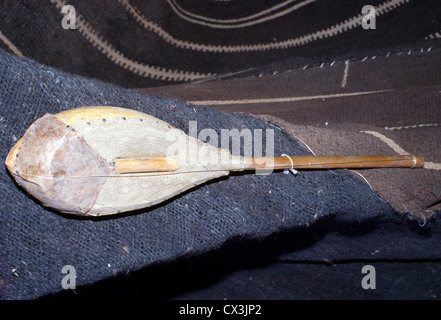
118, 58
331, 64
285, 99
414, 126
433, 36
334, 30
235, 23
392, 144
10, 45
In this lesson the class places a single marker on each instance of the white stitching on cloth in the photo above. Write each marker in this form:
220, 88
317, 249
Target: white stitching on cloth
10, 45
238, 22
118, 58
324, 64
392, 144
414, 126
331, 31
283, 99
345, 74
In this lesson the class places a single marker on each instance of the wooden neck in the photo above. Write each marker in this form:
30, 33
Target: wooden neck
140, 165
334, 162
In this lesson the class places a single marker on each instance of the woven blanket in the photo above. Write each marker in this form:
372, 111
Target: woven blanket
324, 77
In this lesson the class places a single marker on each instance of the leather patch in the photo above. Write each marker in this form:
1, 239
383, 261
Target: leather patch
56, 166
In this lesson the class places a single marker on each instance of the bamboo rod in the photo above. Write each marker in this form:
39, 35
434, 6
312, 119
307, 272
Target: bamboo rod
335, 162
140, 165
143, 165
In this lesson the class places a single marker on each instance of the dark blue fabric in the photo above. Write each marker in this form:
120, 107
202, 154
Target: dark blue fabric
36, 243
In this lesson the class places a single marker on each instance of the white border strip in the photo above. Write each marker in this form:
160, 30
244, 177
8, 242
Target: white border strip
10, 45
120, 59
334, 30
284, 99
392, 144
239, 22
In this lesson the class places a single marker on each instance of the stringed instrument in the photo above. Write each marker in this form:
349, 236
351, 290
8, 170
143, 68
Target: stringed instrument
98, 161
